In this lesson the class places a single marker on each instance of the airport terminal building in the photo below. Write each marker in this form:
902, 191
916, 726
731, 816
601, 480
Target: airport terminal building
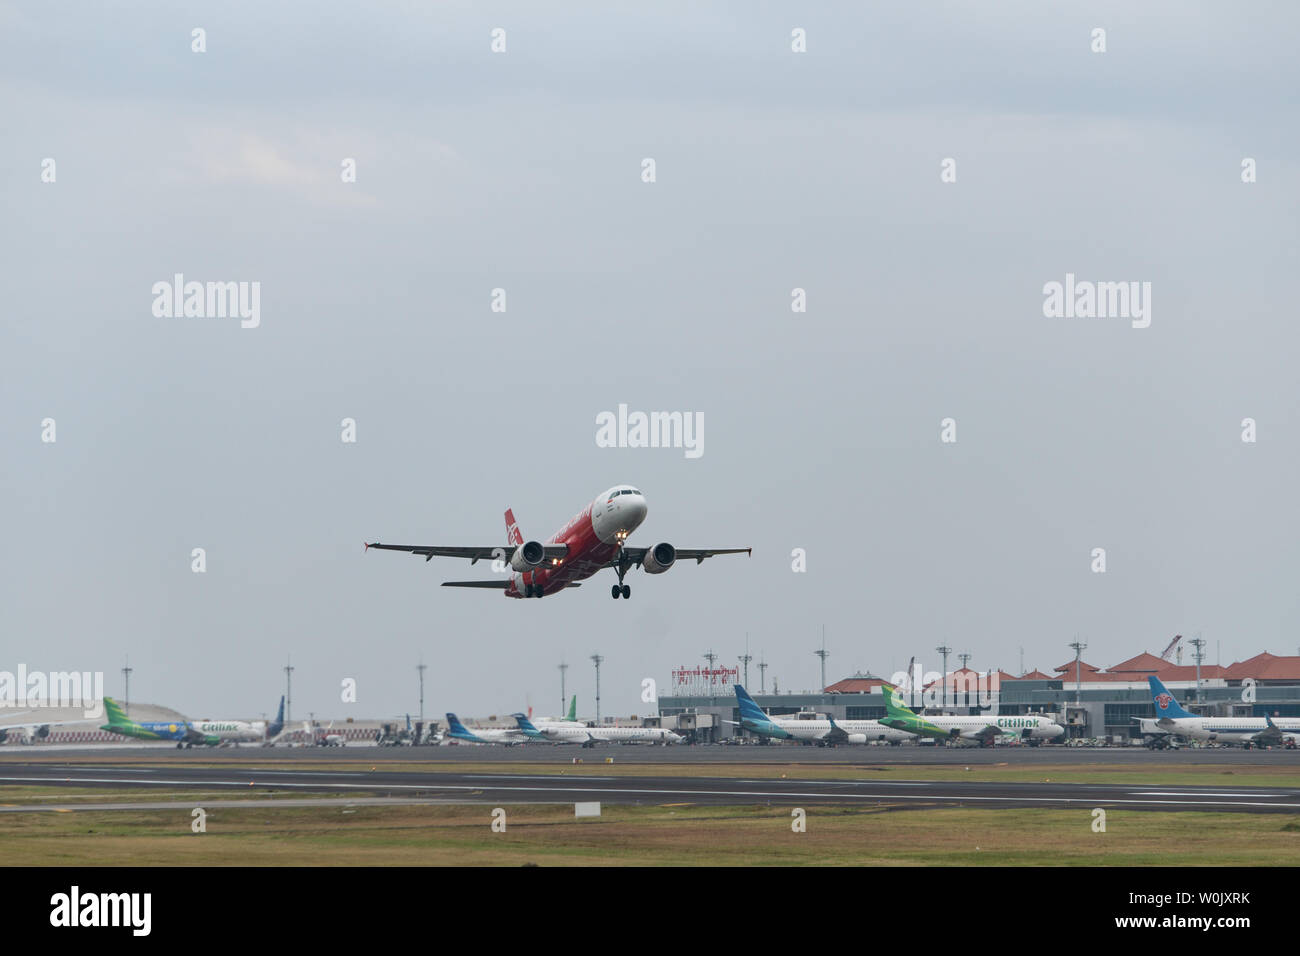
1091, 703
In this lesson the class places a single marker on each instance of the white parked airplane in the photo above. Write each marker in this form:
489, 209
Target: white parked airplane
29, 733
980, 729
484, 735
566, 732
825, 732
1247, 732
242, 731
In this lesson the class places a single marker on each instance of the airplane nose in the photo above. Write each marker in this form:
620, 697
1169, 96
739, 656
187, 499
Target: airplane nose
635, 509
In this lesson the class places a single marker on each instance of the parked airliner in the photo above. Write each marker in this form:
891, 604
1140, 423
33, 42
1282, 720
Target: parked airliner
594, 539
569, 733
823, 732
482, 735
242, 731
1171, 718
1033, 728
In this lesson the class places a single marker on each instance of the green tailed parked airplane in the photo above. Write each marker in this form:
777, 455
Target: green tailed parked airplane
180, 731
899, 716
980, 729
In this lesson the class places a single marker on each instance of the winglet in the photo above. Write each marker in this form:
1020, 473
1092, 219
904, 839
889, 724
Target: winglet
367, 546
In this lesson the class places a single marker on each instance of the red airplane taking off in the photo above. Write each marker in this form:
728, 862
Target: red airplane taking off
592, 540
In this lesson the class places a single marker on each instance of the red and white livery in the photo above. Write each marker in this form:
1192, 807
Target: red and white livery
594, 539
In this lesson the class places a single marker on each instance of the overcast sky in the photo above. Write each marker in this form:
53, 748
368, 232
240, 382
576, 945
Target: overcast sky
522, 170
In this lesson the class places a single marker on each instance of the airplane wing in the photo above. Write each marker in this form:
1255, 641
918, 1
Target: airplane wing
1148, 725
835, 735
36, 725
194, 736
698, 554
494, 552
499, 585
987, 732
1272, 734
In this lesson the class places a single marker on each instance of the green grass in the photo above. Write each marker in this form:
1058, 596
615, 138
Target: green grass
660, 835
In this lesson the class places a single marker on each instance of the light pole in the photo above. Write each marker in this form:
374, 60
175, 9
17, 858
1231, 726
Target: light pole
1079, 648
1199, 644
823, 654
597, 659
288, 691
563, 696
126, 674
710, 657
745, 658
420, 667
945, 650
762, 676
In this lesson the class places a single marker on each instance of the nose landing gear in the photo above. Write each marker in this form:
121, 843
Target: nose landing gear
622, 565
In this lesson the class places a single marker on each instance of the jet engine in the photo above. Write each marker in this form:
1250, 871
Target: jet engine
527, 556
857, 738
659, 558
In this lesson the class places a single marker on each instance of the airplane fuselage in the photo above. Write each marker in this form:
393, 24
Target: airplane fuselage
578, 734
1238, 731
1028, 727
234, 731
594, 537
857, 731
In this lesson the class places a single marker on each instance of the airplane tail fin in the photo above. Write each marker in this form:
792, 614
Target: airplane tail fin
115, 713
573, 708
524, 723
454, 725
749, 710
278, 724
895, 706
513, 535
1166, 704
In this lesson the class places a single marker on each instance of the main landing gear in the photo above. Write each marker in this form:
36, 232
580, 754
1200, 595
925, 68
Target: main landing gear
618, 591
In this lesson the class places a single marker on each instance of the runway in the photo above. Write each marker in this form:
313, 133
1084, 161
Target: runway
588, 785
907, 755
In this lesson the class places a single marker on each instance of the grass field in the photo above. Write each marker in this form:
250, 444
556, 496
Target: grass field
648, 836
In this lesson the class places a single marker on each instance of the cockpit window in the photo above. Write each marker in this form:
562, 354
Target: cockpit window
634, 492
